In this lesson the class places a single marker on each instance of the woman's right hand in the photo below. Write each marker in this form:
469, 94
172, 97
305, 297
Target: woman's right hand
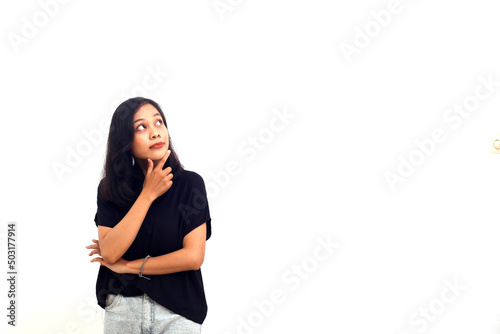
158, 180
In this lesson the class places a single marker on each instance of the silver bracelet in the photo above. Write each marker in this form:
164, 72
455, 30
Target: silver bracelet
142, 267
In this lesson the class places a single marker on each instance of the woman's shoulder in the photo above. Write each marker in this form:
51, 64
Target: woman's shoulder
191, 177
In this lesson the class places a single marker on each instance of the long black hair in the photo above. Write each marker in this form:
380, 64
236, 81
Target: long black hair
122, 179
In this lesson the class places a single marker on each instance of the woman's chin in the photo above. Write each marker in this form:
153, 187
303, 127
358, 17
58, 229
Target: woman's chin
157, 156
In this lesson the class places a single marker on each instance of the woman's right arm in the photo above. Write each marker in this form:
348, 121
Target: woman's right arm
114, 242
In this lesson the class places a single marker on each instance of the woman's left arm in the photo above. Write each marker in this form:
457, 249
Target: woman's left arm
189, 257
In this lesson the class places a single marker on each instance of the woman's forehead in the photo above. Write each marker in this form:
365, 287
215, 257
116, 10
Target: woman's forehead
146, 111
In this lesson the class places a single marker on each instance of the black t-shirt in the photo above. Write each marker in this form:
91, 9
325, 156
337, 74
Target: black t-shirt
171, 216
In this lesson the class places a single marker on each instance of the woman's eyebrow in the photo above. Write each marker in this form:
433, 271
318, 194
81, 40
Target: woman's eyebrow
141, 119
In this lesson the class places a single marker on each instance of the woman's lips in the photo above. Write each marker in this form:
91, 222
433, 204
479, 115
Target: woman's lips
160, 145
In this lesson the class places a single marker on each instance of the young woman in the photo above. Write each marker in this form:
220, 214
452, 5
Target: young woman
153, 221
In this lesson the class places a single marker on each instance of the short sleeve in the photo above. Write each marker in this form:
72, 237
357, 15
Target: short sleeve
107, 212
195, 211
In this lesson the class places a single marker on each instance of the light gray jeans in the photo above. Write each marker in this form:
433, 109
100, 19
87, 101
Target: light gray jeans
142, 315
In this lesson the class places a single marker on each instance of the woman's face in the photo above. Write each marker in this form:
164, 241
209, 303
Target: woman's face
149, 131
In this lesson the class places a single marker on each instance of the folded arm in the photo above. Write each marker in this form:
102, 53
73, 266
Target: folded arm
189, 257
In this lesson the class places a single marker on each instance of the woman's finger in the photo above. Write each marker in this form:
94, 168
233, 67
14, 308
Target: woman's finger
95, 251
163, 160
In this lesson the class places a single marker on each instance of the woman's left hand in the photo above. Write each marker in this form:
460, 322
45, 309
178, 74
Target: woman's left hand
119, 266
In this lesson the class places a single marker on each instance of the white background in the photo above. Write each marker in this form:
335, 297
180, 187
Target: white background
321, 176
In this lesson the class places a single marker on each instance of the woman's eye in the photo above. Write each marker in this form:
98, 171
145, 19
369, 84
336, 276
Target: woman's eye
139, 127
159, 121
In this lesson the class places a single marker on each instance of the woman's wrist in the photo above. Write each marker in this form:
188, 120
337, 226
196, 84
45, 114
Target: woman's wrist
145, 198
134, 266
